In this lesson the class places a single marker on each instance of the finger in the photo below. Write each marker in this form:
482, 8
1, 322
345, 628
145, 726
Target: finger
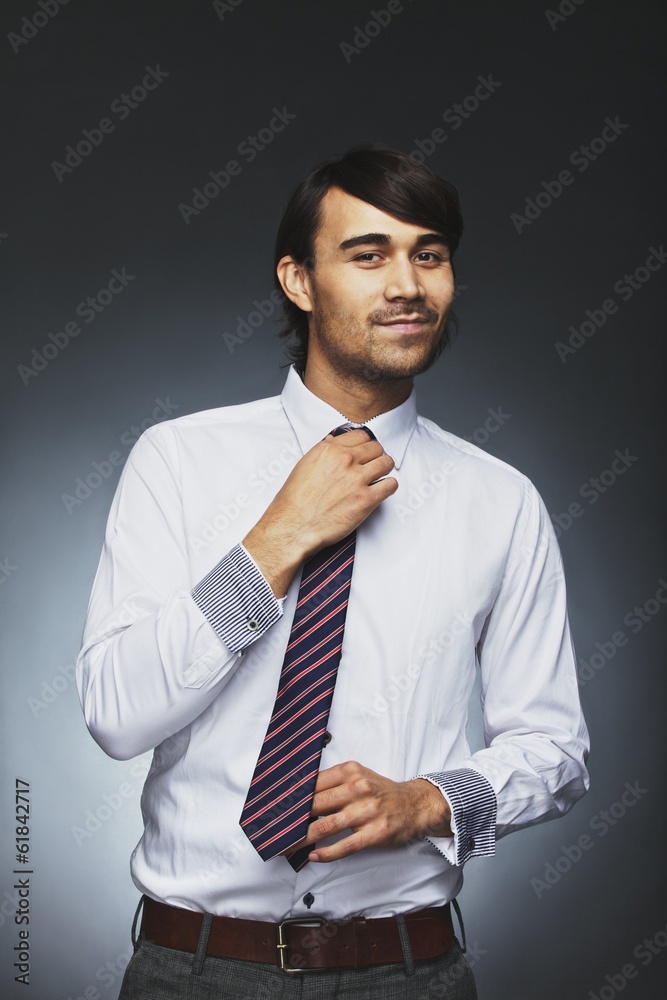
353, 813
366, 451
332, 800
350, 438
308, 841
339, 796
341, 849
378, 468
323, 825
383, 488
329, 777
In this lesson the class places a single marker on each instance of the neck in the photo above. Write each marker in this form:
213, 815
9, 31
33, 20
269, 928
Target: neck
356, 400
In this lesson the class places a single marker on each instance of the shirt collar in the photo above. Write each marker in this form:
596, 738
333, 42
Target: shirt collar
312, 419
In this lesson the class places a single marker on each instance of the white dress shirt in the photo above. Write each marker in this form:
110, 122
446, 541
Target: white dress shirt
184, 643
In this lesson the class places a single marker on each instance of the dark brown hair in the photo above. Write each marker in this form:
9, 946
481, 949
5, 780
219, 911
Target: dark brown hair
381, 176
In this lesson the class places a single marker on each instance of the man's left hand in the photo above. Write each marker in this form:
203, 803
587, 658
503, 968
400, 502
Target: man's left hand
380, 812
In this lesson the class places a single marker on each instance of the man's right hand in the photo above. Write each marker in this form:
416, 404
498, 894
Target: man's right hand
329, 492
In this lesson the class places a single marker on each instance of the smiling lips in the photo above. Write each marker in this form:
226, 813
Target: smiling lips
403, 324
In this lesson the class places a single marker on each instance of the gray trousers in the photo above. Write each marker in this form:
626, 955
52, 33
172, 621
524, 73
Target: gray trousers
157, 973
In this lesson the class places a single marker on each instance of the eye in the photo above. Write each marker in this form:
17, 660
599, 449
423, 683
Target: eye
365, 258
431, 257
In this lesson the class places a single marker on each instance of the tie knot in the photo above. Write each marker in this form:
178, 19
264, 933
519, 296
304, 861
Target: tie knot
344, 428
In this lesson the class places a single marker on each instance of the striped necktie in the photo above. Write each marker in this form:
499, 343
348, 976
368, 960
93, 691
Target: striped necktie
276, 813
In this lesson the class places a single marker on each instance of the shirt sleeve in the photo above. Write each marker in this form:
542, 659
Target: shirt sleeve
237, 600
472, 802
154, 656
533, 767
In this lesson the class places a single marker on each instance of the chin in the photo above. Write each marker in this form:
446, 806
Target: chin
384, 370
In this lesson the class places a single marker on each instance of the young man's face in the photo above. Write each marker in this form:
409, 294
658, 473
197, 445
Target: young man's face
379, 294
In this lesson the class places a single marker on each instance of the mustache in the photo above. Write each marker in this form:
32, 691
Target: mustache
416, 312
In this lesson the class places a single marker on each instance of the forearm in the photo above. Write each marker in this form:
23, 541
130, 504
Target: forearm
430, 809
535, 734
536, 777
143, 684
329, 493
148, 669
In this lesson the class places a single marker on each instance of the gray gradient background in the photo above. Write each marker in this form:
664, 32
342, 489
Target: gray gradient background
163, 338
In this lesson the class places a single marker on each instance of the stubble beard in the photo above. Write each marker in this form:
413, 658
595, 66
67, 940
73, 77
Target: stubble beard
374, 363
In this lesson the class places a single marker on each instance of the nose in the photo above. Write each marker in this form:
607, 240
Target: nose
403, 280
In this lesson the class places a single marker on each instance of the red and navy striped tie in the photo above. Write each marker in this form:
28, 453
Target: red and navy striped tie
276, 813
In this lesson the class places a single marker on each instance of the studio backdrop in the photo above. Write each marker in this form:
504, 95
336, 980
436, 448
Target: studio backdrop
149, 150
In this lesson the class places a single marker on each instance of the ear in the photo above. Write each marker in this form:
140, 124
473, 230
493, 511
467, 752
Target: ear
295, 283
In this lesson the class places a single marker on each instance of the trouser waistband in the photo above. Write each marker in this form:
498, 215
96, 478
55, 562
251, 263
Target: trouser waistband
305, 943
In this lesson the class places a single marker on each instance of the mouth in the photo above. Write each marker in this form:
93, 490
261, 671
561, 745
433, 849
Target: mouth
405, 324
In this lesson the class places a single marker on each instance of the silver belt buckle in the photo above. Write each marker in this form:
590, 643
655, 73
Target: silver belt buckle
281, 944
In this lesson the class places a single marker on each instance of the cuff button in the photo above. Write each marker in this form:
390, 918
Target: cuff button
252, 624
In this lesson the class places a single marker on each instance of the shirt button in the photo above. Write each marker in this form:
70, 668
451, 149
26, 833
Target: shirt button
252, 624
471, 844
309, 899
326, 739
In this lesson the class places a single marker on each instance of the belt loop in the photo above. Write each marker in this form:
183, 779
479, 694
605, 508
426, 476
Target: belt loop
202, 944
459, 917
361, 949
405, 945
133, 932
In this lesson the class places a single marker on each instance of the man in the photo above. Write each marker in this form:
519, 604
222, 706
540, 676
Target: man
192, 640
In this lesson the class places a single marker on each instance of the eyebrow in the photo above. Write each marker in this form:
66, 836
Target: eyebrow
382, 239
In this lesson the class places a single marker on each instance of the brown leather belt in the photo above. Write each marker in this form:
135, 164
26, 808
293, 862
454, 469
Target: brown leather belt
301, 944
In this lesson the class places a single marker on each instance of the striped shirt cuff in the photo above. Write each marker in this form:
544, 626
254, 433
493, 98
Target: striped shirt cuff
237, 600
472, 801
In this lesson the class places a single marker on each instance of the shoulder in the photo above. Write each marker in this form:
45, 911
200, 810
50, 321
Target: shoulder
220, 417
193, 426
493, 491
202, 432
469, 458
